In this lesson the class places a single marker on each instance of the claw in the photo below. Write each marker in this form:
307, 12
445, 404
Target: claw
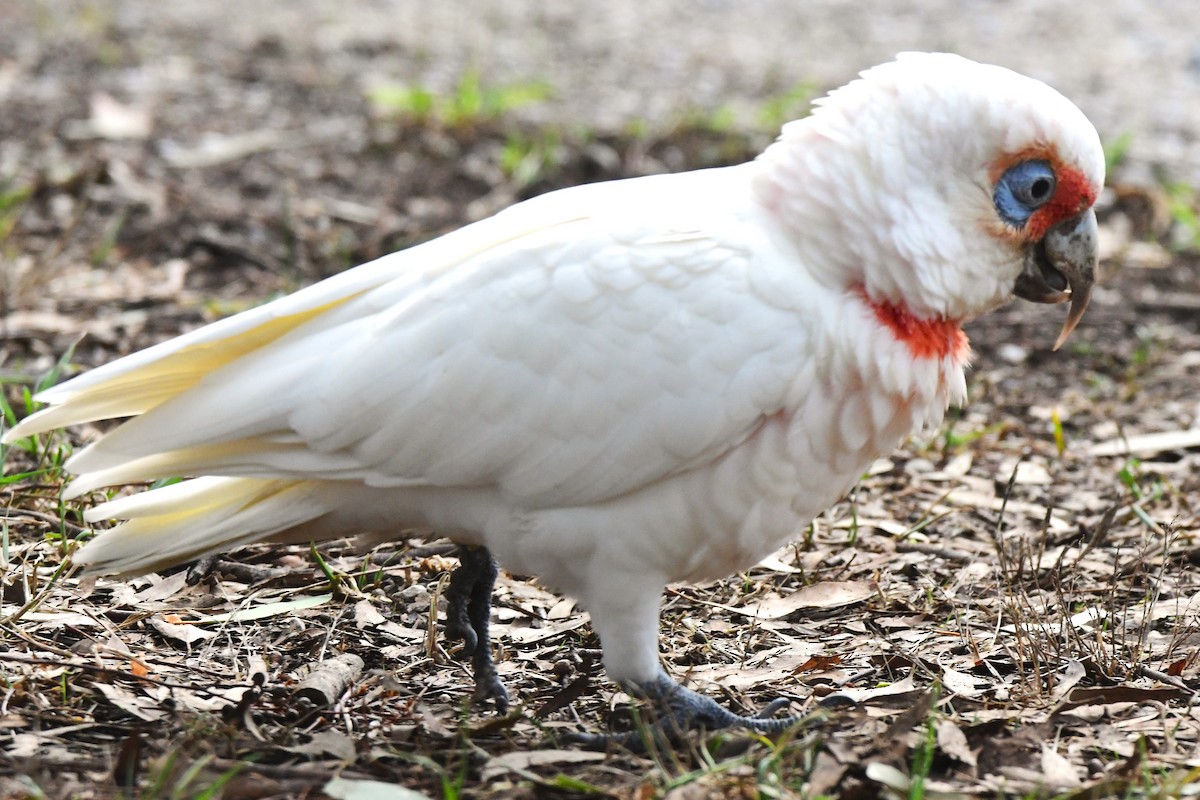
681, 710
772, 708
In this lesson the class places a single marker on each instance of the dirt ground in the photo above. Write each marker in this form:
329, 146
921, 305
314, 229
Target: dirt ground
1007, 606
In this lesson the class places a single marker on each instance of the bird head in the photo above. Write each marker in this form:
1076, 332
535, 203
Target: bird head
942, 187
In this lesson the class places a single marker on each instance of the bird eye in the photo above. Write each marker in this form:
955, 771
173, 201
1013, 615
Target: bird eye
1023, 189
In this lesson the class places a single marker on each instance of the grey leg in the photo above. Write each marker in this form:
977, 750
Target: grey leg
468, 612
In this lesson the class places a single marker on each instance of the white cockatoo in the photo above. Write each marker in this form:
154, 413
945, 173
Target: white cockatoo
621, 385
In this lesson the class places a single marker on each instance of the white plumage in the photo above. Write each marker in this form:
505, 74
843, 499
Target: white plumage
620, 385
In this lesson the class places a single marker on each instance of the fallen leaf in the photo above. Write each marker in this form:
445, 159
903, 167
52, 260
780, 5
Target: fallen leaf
824, 594
963, 683
774, 564
22, 745
1106, 695
266, 610
521, 760
819, 664
182, 633
562, 609
346, 789
958, 466
1027, 473
161, 590
214, 148
826, 773
889, 776
366, 615
402, 632
59, 619
1071, 675
953, 742
1057, 770
525, 634
327, 743
969, 498
117, 646
861, 695
1148, 443
137, 705
433, 722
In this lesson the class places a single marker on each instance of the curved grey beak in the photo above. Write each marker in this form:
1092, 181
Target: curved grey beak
1061, 267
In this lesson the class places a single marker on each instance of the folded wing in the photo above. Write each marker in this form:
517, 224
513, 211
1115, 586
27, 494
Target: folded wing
564, 352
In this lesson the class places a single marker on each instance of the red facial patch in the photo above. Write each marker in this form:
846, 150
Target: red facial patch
1072, 196
925, 338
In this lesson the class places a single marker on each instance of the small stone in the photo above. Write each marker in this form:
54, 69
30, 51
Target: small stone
1012, 353
416, 590
918, 466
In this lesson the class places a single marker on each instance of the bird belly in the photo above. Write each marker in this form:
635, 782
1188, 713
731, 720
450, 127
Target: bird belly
729, 514
716, 519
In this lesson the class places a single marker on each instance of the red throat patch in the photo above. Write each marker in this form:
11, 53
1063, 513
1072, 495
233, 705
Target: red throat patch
925, 338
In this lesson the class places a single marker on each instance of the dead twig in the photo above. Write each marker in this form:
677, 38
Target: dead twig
330, 679
1142, 671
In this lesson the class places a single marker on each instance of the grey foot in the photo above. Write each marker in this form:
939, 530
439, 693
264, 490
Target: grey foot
468, 611
679, 710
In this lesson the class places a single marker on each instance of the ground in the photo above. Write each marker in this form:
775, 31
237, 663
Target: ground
1007, 606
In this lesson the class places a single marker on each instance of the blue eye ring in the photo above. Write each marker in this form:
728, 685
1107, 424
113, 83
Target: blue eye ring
1023, 189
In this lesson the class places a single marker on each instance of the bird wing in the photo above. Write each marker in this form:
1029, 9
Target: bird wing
615, 338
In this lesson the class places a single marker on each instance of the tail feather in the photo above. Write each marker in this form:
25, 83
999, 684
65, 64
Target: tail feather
265, 491
137, 383
191, 519
257, 457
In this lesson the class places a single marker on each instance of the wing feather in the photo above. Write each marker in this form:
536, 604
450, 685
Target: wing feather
582, 356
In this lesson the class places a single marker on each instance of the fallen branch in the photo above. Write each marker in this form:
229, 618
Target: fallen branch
325, 684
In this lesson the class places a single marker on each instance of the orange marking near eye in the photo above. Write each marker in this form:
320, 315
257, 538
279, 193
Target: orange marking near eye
1037, 152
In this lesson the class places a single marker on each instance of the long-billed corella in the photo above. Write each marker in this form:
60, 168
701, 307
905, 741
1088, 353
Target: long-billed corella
620, 385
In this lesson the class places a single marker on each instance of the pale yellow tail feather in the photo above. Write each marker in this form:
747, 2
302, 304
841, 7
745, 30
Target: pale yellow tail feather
187, 520
149, 378
256, 457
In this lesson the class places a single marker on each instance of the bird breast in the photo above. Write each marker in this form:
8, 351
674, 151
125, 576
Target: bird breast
728, 514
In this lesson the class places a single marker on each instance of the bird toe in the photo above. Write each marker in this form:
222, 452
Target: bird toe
679, 710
